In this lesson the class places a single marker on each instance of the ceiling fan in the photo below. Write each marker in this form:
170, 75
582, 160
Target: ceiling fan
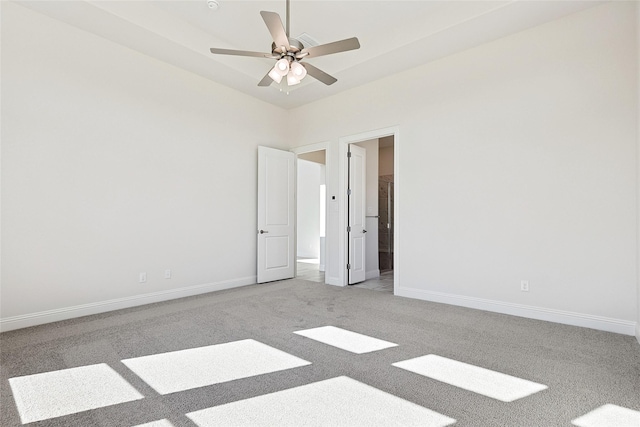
289, 53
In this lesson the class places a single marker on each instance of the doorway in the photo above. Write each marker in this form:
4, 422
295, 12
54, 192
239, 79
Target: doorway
380, 195
381, 208
311, 216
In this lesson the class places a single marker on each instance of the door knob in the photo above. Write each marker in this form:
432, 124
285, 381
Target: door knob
262, 231
364, 231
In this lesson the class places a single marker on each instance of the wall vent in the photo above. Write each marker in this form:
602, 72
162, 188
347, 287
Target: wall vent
307, 40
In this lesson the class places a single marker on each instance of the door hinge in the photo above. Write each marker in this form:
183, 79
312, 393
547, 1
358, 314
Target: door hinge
349, 154
348, 229
348, 191
348, 266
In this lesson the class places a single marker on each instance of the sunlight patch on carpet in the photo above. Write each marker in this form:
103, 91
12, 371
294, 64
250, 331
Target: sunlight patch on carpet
68, 391
346, 340
609, 416
340, 401
203, 366
497, 385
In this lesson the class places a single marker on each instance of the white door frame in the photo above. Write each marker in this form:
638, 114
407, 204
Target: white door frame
343, 147
302, 150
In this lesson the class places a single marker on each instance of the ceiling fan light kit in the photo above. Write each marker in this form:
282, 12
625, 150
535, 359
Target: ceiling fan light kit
289, 53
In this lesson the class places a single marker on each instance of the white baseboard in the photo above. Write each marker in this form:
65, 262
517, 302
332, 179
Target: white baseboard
40, 318
373, 274
551, 315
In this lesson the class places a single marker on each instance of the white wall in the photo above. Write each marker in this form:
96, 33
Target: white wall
517, 161
114, 164
308, 200
371, 239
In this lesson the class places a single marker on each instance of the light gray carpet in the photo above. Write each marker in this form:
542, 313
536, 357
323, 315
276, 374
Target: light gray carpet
583, 368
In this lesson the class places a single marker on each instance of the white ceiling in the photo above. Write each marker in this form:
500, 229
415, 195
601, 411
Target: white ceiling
394, 35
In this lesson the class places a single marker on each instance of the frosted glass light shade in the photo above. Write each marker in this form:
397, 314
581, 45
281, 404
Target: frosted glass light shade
292, 79
275, 75
298, 70
282, 67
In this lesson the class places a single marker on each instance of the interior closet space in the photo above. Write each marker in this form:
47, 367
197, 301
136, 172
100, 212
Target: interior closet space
385, 204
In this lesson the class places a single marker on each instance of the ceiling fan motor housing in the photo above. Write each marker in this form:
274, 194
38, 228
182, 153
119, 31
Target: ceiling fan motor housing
294, 47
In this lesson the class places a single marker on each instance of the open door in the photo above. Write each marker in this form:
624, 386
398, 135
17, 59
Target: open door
276, 214
356, 204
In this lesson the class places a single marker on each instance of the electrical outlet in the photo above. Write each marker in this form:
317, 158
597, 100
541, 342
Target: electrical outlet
524, 285
142, 278
167, 274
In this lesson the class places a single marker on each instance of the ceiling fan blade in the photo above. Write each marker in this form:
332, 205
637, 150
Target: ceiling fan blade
274, 24
240, 53
266, 80
329, 48
319, 74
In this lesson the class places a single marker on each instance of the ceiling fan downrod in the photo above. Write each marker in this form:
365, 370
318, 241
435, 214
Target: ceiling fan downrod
287, 19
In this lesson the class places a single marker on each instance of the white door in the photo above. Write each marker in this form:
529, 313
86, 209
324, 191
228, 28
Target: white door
356, 196
276, 204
